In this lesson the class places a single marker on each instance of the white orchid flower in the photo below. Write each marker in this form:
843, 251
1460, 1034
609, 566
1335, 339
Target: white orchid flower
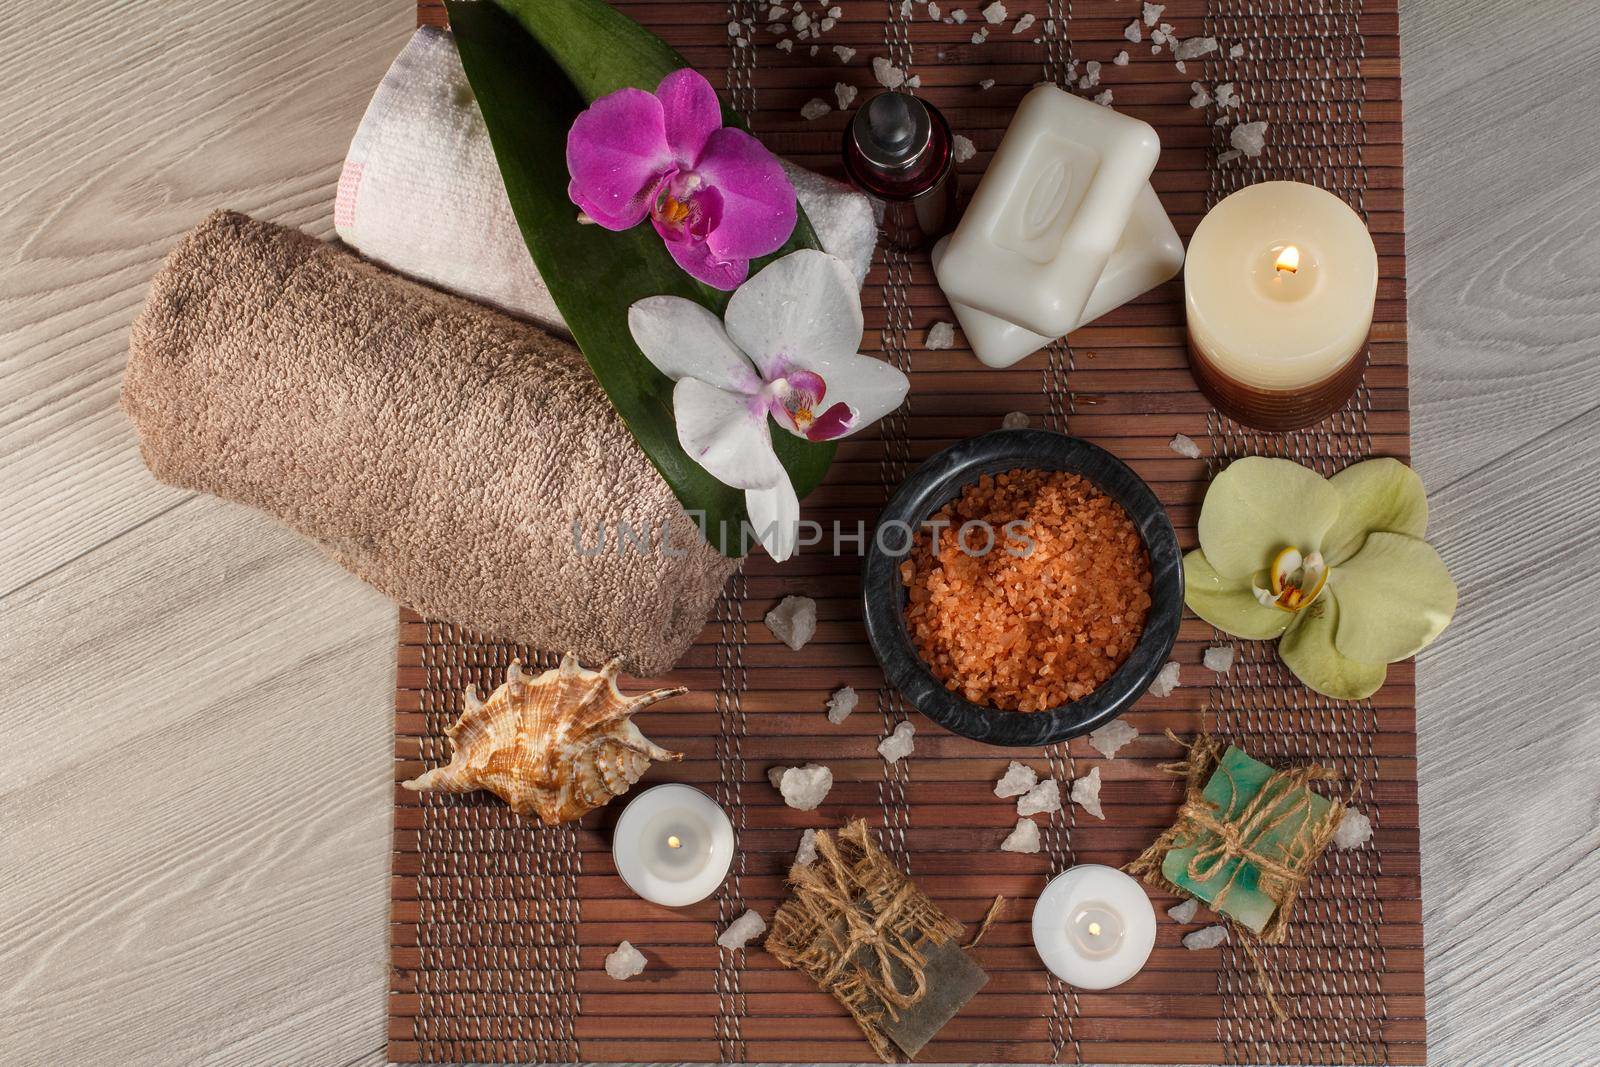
788, 348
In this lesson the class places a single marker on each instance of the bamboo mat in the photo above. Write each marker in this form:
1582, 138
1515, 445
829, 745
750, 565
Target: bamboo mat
499, 928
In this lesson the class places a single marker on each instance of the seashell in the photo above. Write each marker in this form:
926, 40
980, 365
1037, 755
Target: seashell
555, 746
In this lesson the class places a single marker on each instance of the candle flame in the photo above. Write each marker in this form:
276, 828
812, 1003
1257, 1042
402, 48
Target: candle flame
1094, 929
673, 841
1288, 260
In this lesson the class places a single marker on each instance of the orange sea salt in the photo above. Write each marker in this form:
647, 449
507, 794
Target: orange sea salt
1024, 632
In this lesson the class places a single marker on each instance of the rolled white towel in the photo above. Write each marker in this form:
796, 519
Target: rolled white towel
421, 193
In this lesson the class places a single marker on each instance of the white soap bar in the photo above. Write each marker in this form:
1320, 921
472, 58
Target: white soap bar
1049, 212
1151, 252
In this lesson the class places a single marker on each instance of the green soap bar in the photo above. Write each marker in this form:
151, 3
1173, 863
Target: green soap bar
1244, 900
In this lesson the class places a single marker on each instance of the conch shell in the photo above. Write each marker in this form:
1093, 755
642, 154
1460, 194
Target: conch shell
555, 746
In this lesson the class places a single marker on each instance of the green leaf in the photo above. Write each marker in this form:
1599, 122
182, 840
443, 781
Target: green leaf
1258, 506
1380, 494
1307, 649
1395, 597
1229, 604
528, 104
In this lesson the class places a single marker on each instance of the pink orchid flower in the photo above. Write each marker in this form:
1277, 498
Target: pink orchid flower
786, 348
715, 194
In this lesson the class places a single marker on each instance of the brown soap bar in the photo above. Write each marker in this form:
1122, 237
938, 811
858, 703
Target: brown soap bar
952, 980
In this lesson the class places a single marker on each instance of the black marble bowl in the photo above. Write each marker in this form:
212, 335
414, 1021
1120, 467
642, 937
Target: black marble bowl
941, 480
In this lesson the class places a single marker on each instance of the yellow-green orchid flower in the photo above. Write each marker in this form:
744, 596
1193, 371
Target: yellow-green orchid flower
1335, 568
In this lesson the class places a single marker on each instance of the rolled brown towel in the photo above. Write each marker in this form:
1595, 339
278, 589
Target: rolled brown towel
441, 451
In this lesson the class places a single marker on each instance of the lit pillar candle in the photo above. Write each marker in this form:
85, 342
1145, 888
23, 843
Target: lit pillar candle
672, 845
1279, 286
1094, 926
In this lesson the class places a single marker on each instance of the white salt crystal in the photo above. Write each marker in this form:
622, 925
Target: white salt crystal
801, 21
1182, 443
1134, 32
1227, 96
1195, 47
1121, 58
1200, 99
958, 16
1236, 51
1230, 155
1046, 796
933, 11
814, 49
1018, 779
846, 94
963, 148
785, 45
1218, 658
1249, 138
806, 854
777, 14
981, 36
1086, 793
625, 962
995, 13
905, 9
814, 109
1205, 937
1184, 913
1024, 22
841, 702
899, 744
1108, 739
1166, 681
803, 788
1152, 14
825, 25
1023, 838
940, 335
733, 29
914, 82
742, 931
793, 621
889, 76
1103, 98
986, 84
1183, 67
836, 12
1015, 420
1355, 830
845, 54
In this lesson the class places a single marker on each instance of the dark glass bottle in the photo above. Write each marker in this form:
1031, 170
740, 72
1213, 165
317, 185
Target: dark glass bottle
899, 149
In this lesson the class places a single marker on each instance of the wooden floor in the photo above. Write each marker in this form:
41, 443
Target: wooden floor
195, 706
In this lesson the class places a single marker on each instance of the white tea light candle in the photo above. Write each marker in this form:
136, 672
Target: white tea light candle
1279, 287
1094, 926
672, 845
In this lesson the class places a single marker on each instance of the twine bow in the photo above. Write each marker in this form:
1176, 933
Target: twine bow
1219, 837
1282, 800
854, 919
878, 930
